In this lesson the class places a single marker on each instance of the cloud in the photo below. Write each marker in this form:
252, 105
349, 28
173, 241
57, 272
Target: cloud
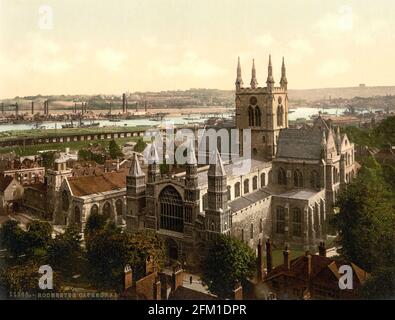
334, 23
264, 41
333, 67
110, 59
298, 49
190, 64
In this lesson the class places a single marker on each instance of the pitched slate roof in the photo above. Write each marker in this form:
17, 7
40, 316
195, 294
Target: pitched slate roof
85, 185
300, 144
247, 200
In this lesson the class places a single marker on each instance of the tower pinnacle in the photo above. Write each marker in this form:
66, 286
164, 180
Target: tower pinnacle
270, 80
254, 82
284, 81
239, 80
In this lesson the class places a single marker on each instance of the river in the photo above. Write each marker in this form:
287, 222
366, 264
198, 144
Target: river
177, 120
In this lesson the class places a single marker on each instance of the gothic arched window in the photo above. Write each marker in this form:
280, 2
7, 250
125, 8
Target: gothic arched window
250, 116
65, 201
315, 180
282, 177
171, 210
280, 115
237, 189
107, 210
257, 116
119, 207
95, 209
255, 183
246, 186
263, 180
298, 178
280, 220
296, 222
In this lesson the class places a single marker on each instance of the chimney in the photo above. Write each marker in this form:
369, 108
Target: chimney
260, 264
128, 278
157, 288
177, 278
309, 267
123, 102
32, 107
2, 107
322, 249
269, 257
287, 260
238, 291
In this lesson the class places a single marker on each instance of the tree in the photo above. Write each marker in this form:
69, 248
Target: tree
107, 254
228, 261
143, 246
24, 278
38, 236
14, 238
366, 219
140, 145
114, 150
95, 223
65, 250
381, 285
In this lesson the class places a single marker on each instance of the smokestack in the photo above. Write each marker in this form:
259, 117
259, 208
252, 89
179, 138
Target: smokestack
47, 107
145, 105
16, 108
75, 107
82, 108
32, 107
322, 249
260, 264
123, 102
269, 257
137, 106
287, 260
2, 107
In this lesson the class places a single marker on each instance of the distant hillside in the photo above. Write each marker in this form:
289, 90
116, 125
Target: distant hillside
346, 93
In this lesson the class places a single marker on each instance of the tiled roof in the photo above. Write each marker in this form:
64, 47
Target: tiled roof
324, 271
5, 182
299, 144
85, 185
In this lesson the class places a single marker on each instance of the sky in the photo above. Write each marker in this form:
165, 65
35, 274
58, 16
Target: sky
110, 47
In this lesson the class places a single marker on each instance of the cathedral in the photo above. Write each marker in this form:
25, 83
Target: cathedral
288, 193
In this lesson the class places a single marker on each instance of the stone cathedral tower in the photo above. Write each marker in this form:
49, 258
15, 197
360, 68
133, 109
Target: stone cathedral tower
218, 214
191, 191
264, 110
135, 195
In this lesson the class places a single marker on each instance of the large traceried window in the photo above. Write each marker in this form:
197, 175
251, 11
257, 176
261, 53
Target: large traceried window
251, 122
280, 220
171, 210
296, 222
257, 116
